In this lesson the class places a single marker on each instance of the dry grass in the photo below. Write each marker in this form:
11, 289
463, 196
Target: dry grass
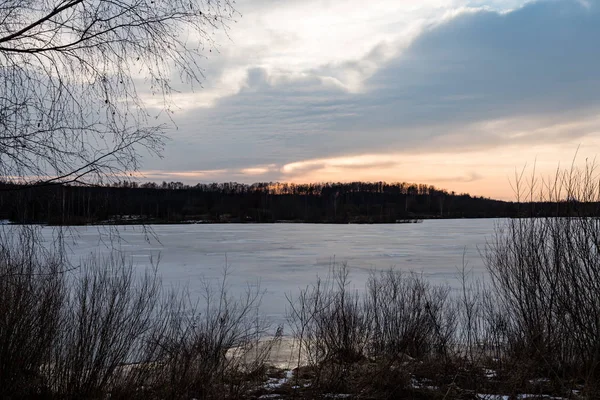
106, 329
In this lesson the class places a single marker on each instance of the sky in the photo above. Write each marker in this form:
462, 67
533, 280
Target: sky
457, 94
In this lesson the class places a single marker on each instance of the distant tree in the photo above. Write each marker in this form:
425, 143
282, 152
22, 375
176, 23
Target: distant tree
74, 75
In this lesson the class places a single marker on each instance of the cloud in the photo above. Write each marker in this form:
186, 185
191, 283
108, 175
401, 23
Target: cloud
447, 77
340, 41
182, 175
257, 170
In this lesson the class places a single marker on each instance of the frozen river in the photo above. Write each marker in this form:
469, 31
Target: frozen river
286, 257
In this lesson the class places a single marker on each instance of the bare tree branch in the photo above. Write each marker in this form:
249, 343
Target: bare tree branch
74, 75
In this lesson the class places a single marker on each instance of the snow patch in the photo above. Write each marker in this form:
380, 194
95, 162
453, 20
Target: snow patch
519, 397
275, 383
489, 373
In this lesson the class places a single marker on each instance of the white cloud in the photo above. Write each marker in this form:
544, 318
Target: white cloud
292, 95
338, 42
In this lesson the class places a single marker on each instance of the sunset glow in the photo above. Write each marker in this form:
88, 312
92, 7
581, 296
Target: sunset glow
456, 94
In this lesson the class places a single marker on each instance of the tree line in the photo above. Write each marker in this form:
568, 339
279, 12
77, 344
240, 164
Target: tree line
175, 202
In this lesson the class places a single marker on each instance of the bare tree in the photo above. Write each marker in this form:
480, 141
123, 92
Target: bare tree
74, 75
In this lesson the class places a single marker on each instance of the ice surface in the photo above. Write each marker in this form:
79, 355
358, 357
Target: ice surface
285, 257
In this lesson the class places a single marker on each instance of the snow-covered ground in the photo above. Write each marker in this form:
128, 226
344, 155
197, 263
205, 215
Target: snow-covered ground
285, 257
